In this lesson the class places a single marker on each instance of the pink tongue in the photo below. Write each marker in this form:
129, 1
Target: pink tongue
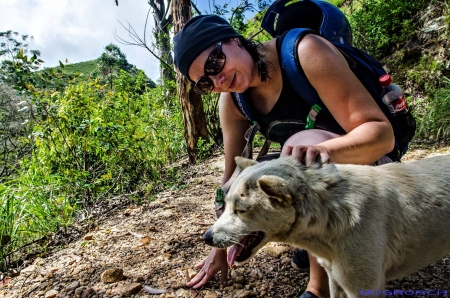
235, 250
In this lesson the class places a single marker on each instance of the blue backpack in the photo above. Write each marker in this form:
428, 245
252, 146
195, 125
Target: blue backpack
333, 26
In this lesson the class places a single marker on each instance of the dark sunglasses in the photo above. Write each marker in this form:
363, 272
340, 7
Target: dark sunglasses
213, 66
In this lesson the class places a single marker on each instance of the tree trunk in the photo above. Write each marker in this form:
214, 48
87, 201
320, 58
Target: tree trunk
164, 50
191, 103
163, 17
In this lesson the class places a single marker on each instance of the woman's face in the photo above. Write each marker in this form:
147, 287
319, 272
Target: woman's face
237, 74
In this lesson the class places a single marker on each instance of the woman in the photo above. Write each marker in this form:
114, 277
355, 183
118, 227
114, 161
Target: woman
217, 59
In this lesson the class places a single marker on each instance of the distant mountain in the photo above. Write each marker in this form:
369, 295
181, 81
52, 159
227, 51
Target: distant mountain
87, 67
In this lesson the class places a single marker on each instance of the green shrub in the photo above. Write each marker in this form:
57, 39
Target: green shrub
382, 26
88, 143
433, 113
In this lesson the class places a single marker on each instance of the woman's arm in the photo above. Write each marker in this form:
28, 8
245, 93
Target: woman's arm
369, 133
234, 125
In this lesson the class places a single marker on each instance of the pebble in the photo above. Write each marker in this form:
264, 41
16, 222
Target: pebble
88, 293
128, 289
112, 275
51, 294
210, 294
276, 251
183, 293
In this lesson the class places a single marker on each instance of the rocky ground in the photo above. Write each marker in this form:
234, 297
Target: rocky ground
134, 249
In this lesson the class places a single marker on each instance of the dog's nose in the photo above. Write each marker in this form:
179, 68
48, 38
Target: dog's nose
208, 237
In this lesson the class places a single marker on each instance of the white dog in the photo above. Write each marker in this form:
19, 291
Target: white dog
365, 224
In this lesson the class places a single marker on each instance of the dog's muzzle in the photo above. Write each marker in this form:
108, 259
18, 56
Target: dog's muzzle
208, 237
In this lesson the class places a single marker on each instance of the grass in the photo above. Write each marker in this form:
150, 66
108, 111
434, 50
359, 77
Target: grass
85, 67
433, 114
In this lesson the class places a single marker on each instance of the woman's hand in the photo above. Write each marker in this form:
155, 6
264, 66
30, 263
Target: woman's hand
216, 261
307, 154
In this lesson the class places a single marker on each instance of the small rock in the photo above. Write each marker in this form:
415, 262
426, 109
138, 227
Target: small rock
49, 275
128, 289
244, 294
210, 295
183, 293
72, 286
39, 262
276, 251
112, 275
425, 275
192, 273
88, 293
286, 281
233, 274
51, 294
88, 237
79, 290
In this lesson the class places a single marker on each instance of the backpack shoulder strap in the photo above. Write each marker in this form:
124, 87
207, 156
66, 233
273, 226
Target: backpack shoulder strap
289, 60
241, 102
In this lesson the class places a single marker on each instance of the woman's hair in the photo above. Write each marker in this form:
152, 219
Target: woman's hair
252, 48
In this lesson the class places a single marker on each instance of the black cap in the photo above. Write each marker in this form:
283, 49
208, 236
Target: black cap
197, 35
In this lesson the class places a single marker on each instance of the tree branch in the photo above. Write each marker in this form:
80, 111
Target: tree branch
137, 41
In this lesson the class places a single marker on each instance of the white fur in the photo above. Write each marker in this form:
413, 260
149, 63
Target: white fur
365, 224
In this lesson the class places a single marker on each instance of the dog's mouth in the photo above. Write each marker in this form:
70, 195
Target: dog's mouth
243, 250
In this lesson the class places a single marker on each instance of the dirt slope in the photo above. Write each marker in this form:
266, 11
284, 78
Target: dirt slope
156, 245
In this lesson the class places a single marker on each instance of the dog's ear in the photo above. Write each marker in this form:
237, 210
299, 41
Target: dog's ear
244, 163
276, 188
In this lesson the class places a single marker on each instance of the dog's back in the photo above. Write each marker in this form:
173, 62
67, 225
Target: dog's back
416, 213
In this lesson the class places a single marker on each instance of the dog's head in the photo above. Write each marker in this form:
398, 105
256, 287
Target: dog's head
258, 209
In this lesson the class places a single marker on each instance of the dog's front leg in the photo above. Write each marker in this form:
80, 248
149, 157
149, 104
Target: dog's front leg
335, 290
357, 283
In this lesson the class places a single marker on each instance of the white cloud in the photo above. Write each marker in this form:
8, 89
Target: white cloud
78, 30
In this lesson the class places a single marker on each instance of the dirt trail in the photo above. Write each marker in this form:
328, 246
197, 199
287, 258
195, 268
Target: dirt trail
158, 243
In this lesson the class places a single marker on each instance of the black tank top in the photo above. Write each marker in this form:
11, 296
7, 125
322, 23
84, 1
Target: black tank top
288, 115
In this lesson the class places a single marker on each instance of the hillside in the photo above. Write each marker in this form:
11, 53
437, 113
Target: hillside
85, 67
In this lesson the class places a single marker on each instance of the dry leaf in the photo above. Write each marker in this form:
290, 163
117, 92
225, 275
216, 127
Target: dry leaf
146, 240
154, 291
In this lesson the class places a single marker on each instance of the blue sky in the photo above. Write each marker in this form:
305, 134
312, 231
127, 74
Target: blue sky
79, 30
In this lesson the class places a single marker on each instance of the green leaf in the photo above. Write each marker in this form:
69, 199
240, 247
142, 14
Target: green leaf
61, 64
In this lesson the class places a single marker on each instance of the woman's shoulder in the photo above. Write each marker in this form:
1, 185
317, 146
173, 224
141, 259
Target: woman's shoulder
313, 44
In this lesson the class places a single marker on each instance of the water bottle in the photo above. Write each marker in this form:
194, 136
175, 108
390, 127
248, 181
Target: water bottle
393, 96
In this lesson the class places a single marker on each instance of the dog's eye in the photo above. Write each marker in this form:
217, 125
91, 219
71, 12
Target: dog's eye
240, 211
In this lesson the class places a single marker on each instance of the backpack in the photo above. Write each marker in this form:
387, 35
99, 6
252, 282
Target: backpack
329, 22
